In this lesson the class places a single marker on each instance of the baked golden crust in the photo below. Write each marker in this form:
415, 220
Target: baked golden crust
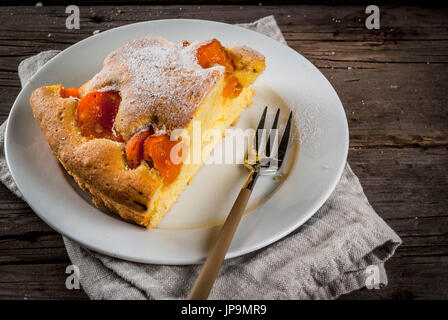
97, 165
167, 99
159, 82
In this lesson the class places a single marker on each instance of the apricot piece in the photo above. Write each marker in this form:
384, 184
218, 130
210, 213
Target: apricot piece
233, 87
134, 147
69, 92
158, 149
213, 53
96, 114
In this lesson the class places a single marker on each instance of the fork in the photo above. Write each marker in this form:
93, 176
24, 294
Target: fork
264, 162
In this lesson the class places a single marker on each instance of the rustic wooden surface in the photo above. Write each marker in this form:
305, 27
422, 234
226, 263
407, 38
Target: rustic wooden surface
393, 83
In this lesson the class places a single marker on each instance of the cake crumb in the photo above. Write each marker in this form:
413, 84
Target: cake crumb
278, 177
96, 32
326, 167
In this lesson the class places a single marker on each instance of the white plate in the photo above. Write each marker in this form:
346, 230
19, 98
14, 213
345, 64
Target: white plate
278, 207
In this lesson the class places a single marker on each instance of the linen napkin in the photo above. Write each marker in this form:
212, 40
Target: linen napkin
342, 248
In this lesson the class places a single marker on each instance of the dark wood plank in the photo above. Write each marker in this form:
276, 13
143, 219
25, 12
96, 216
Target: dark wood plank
392, 83
407, 187
217, 2
404, 183
369, 69
36, 281
410, 278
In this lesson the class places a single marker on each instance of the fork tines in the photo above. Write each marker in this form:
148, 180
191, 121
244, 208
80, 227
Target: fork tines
281, 150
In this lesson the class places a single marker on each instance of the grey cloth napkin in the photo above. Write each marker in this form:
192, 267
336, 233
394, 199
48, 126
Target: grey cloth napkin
341, 247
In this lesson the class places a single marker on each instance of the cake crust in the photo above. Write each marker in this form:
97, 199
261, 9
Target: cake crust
159, 82
97, 165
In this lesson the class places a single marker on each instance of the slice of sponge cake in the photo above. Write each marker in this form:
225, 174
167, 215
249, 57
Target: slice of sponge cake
114, 135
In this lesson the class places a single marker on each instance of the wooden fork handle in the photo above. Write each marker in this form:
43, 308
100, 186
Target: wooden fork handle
210, 269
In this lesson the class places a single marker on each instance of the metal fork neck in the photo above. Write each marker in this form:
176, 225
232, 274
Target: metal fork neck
251, 179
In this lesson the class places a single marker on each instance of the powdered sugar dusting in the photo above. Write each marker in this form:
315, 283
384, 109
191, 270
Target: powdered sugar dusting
110, 87
158, 72
160, 83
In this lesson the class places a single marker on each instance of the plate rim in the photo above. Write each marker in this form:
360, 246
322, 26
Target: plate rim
236, 253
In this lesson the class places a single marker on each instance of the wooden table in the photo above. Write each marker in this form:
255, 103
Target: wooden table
393, 83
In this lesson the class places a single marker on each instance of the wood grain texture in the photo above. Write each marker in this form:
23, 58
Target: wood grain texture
392, 82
